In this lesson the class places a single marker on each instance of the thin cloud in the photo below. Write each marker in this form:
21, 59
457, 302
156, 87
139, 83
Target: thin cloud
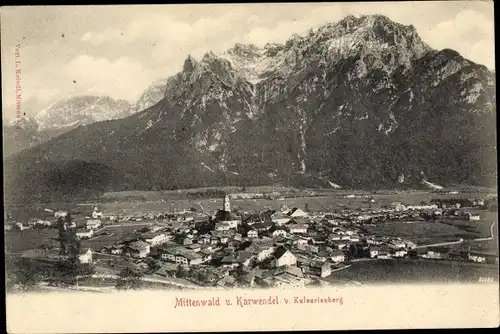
121, 78
118, 51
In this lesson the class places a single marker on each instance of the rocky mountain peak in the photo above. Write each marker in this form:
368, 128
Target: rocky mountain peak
209, 57
22, 123
272, 49
80, 110
361, 103
152, 95
371, 31
189, 64
248, 51
295, 41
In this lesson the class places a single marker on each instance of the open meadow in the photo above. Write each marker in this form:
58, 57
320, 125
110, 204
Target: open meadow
430, 232
117, 233
204, 199
412, 271
20, 241
321, 201
16, 242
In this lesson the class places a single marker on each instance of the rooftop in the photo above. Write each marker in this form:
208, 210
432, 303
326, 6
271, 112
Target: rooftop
291, 270
318, 264
84, 251
190, 255
223, 216
280, 252
139, 245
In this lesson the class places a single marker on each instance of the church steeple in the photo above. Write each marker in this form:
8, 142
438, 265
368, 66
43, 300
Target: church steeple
227, 204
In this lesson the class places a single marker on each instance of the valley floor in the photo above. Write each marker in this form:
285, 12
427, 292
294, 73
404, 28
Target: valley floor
344, 230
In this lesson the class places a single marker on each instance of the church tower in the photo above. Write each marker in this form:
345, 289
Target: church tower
227, 204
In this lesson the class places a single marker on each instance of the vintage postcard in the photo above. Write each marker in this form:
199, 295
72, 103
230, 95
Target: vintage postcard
243, 167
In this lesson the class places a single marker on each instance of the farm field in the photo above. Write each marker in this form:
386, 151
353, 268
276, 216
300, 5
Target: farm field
175, 194
167, 201
430, 232
420, 232
117, 232
327, 202
487, 246
414, 271
20, 241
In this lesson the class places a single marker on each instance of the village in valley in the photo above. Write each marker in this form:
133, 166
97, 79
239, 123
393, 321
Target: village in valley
229, 247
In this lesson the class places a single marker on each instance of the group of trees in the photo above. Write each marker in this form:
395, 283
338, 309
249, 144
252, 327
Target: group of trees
144, 230
182, 272
27, 273
129, 279
358, 250
200, 275
464, 202
69, 243
70, 248
208, 193
153, 265
21, 273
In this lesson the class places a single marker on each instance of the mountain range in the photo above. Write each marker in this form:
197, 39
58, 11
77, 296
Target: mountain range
360, 103
61, 116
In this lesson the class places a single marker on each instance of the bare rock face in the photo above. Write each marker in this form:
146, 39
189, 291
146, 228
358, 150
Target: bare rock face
59, 117
80, 110
151, 96
360, 103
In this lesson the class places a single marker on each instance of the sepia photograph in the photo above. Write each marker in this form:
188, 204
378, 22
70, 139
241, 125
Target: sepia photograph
263, 158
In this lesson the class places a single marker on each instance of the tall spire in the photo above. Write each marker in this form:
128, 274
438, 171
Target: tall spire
227, 204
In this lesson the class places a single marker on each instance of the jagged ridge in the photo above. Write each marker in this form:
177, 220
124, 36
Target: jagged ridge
357, 103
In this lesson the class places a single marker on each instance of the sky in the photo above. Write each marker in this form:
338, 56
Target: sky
119, 51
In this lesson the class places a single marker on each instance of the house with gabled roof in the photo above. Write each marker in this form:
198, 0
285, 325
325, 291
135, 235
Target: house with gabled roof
278, 232
93, 224
290, 270
296, 212
230, 261
170, 253
189, 258
205, 239
298, 228
245, 258
261, 252
85, 255
283, 257
321, 269
117, 249
252, 233
138, 249
337, 256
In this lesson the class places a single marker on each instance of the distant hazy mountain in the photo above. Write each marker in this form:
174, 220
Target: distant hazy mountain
67, 114
360, 103
80, 110
28, 109
151, 96
19, 135
39, 126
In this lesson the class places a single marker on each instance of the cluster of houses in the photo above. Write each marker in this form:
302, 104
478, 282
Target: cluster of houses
307, 245
85, 256
270, 248
460, 254
92, 222
450, 203
176, 215
32, 223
